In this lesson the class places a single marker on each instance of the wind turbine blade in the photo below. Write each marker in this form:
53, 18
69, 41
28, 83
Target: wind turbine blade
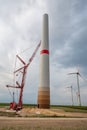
67, 87
79, 75
82, 77
72, 73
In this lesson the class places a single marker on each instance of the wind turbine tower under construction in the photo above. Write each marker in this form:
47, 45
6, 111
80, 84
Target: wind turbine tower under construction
44, 81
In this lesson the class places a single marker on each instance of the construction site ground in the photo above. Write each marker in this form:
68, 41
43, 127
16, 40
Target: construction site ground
35, 112
42, 119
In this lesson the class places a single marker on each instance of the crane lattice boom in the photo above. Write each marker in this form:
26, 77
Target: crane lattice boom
24, 72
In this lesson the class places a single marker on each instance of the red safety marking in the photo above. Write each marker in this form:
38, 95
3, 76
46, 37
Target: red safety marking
44, 51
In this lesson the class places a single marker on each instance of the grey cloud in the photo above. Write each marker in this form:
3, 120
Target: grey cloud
74, 36
79, 6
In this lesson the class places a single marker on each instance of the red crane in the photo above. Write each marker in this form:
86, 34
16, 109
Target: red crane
23, 70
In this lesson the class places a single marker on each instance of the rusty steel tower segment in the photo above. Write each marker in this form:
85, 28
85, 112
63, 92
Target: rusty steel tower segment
44, 79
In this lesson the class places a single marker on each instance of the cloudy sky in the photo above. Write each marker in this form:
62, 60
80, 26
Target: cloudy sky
20, 28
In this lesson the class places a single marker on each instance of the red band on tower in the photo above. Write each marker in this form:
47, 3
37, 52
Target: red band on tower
44, 52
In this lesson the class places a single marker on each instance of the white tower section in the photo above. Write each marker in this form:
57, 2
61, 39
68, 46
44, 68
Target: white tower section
44, 84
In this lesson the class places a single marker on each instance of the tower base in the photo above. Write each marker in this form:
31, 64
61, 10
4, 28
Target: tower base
44, 97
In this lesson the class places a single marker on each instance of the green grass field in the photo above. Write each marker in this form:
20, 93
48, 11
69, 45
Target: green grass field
65, 108
82, 109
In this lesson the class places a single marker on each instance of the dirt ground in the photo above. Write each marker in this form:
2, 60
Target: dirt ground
50, 112
10, 123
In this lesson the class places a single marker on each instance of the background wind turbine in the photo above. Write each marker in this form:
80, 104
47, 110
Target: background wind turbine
77, 75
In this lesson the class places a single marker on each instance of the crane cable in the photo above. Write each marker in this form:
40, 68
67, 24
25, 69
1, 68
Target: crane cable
25, 50
14, 70
16, 91
10, 93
